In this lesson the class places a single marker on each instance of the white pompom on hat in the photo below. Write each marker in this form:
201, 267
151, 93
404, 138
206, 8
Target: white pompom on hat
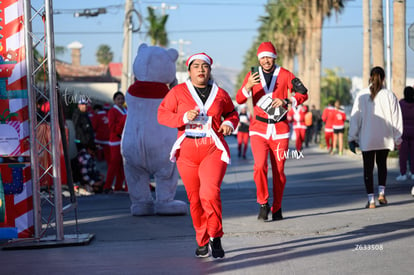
202, 56
266, 49
83, 100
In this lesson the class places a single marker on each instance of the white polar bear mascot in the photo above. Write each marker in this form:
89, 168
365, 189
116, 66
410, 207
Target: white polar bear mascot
146, 144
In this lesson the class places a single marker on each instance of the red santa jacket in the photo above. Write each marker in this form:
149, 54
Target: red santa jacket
183, 98
328, 116
339, 119
100, 124
280, 87
296, 116
116, 117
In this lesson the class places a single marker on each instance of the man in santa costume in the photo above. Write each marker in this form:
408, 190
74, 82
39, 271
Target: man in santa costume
203, 113
296, 116
272, 89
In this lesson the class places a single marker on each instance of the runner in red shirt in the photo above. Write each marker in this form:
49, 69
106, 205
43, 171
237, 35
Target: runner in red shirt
203, 114
338, 126
328, 117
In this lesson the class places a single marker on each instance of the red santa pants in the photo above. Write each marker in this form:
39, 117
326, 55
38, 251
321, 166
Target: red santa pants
242, 140
202, 170
328, 139
261, 148
115, 169
300, 138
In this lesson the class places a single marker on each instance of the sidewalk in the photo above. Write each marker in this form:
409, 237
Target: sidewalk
326, 229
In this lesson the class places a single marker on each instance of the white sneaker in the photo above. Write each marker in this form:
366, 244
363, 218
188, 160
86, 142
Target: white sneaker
412, 191
401, 177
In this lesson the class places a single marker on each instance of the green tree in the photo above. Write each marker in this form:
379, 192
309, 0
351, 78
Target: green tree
295, 27
335, 87
157, 31
104, 55
59, 50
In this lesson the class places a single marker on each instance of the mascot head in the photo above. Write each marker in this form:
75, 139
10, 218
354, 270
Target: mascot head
155, 64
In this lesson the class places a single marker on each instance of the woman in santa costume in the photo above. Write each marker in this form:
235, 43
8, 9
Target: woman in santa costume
338, 126
196, 107
116, 116
269, 130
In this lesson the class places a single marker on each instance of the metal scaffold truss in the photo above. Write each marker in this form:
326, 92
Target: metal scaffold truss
46, 149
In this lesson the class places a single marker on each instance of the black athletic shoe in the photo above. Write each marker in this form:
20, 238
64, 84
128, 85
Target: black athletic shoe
202, 251
263, 212
216, 249
277, 216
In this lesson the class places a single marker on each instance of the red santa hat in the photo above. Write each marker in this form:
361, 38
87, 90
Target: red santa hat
201, 56
266, 49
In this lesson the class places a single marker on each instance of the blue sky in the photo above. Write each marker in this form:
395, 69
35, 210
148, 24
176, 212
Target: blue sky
224, 29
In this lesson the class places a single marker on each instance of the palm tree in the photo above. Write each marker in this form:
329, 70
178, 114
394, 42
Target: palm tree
281, 26
319, 10
104, 55
377, 34
293, 22
336, 87
157, 31
366, 51
399, 73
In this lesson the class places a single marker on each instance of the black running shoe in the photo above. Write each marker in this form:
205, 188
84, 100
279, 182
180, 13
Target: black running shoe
216, 249
263, 212
277, 216
202, 251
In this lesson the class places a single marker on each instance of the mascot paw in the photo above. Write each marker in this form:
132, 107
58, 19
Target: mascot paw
143, 209
171, 208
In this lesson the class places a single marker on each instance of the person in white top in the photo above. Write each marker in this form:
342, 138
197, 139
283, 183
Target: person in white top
376, 127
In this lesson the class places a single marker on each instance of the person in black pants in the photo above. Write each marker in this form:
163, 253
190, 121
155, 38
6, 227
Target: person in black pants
376, 127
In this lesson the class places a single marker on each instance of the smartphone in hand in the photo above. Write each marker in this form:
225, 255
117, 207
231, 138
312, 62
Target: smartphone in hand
254, 69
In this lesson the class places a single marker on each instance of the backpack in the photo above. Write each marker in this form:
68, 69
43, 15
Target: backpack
308, 119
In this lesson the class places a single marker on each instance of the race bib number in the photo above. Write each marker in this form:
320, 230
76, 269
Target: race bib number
199, 127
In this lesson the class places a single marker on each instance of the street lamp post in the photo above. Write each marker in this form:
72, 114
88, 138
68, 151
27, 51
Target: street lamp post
181, 53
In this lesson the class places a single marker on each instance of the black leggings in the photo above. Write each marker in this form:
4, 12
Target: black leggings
380, 157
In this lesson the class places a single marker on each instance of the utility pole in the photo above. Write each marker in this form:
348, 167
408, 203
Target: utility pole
126, 49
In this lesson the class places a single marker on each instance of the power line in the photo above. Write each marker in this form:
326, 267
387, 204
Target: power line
197, 30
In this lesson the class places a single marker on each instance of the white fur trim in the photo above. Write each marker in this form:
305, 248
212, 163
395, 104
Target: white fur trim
201, 56
246, 93
269, 54
228, 123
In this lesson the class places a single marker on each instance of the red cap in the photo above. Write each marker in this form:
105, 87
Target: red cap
266, 49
